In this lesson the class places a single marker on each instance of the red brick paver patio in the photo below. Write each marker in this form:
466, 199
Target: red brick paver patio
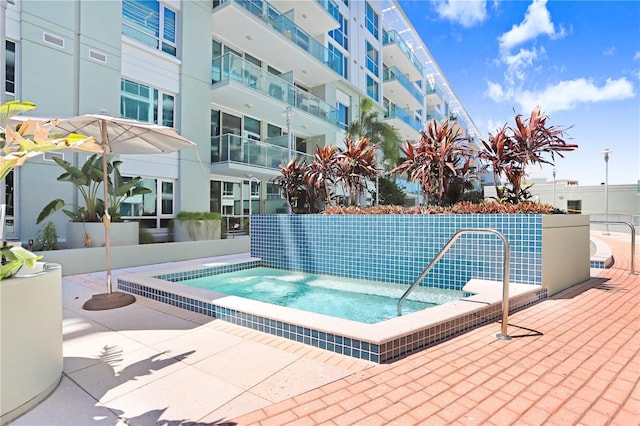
573, 360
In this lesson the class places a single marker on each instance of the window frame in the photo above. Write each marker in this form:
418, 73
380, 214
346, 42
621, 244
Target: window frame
159, 216
10, 96
165, 37
155, 104
373, 63
370, 82
372, 21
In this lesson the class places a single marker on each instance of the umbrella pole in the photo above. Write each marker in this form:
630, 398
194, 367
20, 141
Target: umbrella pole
106, 218
110, 299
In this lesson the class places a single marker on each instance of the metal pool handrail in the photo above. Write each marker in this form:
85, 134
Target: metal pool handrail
633, 239
505, 274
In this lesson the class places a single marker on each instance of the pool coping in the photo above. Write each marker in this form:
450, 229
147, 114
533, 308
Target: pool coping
380, 342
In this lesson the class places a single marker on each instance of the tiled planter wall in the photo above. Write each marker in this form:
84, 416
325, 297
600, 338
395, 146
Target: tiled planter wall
396, 248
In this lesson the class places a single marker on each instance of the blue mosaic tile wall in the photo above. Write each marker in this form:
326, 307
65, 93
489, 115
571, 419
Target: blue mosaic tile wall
207, 272
397, 248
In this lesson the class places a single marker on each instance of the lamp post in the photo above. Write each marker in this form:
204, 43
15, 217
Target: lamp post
251, 179
554, 187
288, 115
606, 153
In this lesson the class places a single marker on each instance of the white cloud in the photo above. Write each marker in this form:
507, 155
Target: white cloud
519, 62
610, 51
568, 94
465, 12
636, 57
537, 21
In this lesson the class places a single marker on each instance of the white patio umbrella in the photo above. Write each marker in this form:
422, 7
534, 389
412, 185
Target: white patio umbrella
120, 136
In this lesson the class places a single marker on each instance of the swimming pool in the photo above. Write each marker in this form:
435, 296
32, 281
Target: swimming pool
352, 299
379, 342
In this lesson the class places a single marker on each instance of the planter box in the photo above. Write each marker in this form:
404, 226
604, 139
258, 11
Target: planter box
548, 250
31, 333
121, 233
197, 230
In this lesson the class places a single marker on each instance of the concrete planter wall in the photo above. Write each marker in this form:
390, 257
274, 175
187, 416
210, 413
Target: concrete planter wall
396, 248
197, 230
121, 233
31, 333
83, 260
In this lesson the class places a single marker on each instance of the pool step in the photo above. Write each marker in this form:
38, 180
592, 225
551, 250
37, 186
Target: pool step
489, 291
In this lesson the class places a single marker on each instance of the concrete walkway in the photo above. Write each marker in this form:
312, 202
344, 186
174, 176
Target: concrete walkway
574, 360
150, 363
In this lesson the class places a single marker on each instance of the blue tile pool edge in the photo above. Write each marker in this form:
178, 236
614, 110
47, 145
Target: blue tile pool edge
152, 286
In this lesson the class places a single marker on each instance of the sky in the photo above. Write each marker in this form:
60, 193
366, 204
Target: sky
578, 60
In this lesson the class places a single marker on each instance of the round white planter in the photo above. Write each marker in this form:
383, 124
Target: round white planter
31, 335
121, 233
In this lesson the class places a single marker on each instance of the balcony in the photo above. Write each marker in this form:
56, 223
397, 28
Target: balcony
457, 122
238, 156
316, 17
434, 114
399, 90
408, 126
259, 29
243, 86
397, 53
434, 95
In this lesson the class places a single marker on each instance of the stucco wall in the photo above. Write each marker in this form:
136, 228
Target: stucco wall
565, 251
83, 260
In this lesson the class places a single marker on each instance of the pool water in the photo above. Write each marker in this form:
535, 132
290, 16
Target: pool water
352, 299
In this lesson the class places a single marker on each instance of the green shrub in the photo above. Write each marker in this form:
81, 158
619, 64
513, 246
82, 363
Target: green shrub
184, 215
145, 236
46, 238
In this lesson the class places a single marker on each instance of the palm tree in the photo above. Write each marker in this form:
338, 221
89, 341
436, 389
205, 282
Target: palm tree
321, 173
292, 179
355, 165
434, 161
512, 149
368, 125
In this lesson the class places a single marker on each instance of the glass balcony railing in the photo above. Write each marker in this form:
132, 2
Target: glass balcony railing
394, 111
394, 73
230, 148
330, 6
390, 37
435, 89
434, 114
232, 67
285, 26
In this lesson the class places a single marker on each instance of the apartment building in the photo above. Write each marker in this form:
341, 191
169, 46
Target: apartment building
251, 82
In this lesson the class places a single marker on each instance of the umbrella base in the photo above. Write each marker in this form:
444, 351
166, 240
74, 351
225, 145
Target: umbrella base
104, 301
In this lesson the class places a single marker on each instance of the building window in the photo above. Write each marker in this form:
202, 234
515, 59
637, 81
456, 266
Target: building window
343, 116
372, 88
151, 210
252, 129
371, 19
151, 23
143, 103
227, 189
340, 35
10, 71
372, 59
341, 61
